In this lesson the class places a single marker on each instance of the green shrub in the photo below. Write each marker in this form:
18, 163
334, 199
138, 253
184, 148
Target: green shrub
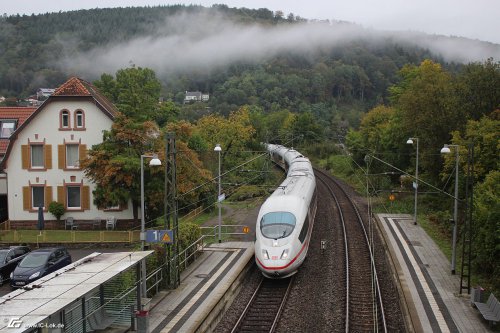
188, 234
57, 209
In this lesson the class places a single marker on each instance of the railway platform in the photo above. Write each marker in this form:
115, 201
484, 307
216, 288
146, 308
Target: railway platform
205, 290
430, 291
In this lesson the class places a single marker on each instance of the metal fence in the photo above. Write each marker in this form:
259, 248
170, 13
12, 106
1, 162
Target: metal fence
68, 236
5, 225
102, 236
227, 231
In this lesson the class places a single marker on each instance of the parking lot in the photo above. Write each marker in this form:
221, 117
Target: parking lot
76, 254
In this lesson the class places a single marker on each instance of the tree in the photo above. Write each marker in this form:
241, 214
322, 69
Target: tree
478, 88
135, 92
428, 108
114, 164
277, 125
306, 126
380, 134
483, 133
107, 86
234, 133
487, 227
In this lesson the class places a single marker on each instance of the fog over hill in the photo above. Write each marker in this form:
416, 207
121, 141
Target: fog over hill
204, 41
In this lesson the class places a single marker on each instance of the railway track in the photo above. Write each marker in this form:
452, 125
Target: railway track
263, 311
319, 299
364, 311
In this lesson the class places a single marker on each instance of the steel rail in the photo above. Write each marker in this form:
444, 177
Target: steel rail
261, 288
360, 221
346, 248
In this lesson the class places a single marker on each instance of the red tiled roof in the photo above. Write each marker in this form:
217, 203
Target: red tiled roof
18, 113
73, 87
79, 87
4, 143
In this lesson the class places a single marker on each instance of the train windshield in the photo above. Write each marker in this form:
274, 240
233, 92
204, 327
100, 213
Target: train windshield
277, 224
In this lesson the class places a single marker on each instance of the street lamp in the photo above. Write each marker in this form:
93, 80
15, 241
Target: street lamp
218, 149
446, 150
410, 142
154, 162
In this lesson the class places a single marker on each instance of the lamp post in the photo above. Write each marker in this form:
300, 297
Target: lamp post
218, 149
154, 162
446, 150
410, 142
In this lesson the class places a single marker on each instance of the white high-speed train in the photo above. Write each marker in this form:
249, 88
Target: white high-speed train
285, 221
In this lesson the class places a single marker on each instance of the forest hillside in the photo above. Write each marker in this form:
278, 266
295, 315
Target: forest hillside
238, 56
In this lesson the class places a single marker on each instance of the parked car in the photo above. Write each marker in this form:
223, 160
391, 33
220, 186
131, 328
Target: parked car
39, 263
9, 258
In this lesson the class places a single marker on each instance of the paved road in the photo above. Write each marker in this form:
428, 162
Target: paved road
76, 254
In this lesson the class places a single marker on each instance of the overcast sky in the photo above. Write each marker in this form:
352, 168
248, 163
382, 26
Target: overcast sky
476, 19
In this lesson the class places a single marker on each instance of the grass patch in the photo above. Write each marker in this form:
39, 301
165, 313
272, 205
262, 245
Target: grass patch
200, 219
246, 192
246, 204
57, 236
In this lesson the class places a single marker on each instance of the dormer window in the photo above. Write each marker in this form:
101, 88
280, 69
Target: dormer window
79, 119
7, 128
64, 120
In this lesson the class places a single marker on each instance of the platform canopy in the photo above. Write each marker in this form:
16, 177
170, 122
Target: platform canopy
31, 305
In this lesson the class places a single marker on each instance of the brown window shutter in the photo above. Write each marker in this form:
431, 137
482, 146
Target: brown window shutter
25, 152
61, 152
48, 156
82, 152
85, 197
26, 198
48, 196
61, 196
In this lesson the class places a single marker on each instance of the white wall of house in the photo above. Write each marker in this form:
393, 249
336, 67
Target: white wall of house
3, 183
45, 127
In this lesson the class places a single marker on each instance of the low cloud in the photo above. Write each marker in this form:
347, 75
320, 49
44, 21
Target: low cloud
201, 43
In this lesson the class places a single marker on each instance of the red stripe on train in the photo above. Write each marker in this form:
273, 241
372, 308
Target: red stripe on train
283, 267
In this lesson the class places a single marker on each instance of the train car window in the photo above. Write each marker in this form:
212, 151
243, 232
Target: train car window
277, 224
303, 232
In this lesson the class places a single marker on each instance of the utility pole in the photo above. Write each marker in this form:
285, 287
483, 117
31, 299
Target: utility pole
171, 213
465, 273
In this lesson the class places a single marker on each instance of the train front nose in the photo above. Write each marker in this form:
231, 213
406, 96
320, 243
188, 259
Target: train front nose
275, 262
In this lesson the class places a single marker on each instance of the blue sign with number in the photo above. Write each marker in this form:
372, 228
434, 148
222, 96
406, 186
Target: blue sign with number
160, 236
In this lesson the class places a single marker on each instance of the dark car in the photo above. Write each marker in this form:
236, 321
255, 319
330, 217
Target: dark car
9, 258
39, 263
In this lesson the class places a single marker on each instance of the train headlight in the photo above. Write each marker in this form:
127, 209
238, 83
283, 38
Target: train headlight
265, 254
284, 255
